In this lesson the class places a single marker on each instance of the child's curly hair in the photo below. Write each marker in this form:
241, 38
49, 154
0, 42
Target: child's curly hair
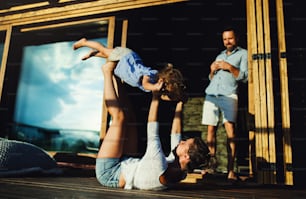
174, 86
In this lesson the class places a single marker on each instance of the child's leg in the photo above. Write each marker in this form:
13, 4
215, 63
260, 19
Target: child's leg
99, 49
112, 144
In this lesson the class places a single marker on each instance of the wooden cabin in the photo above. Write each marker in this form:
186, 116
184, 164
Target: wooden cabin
186, 33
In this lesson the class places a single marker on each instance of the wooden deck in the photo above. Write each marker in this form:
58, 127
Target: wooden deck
76, 185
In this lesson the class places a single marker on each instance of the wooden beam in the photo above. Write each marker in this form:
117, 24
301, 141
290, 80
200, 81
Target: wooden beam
270, 98
284, 94
101, 21
110, 44
8, 32
24, 7
252, 49
261, 128
261, 92
78, 10
124, 33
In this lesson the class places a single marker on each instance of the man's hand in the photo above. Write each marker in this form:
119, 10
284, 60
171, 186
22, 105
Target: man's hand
214, 67
222, 65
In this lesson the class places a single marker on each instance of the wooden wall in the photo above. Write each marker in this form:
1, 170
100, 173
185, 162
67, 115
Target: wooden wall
295, 18
188, 35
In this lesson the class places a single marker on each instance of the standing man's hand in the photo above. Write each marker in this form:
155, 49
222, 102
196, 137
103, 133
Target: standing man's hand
214, 67
222, 65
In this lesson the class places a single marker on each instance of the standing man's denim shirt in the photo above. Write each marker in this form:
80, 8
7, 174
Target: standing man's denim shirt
223, 82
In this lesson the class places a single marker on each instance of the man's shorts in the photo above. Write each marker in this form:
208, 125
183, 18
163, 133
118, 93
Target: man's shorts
108, 171
216, 106
118, 53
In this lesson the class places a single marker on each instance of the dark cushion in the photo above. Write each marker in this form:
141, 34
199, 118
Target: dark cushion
22, 159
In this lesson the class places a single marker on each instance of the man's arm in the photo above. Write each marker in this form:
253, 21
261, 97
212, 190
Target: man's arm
176, 130
153, 111
177, 120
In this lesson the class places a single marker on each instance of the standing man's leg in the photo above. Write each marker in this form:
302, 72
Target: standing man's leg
212, 146
210, 118
211, 139
231, 149
229, 110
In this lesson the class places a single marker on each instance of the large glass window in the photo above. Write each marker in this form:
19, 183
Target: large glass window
59, 97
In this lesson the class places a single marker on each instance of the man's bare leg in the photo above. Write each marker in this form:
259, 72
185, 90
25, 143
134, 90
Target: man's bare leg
211, 143
211, 139
112, 145
131, 137
231, 147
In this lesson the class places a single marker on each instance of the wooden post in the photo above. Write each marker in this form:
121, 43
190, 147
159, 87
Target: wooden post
124, 33
284, 94
8, 32
110, 44
262, 134
270, 97
252, 65
261, 103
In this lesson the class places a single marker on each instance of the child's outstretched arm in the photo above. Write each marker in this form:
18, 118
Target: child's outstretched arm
147, 85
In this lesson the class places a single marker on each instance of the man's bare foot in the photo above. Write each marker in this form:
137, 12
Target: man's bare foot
231, 176
79, 43
109, 67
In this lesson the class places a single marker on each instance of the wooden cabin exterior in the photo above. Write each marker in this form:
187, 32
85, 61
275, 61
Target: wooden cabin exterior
186, 33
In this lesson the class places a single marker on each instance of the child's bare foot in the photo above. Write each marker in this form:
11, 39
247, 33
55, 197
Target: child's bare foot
91, 54
79, 43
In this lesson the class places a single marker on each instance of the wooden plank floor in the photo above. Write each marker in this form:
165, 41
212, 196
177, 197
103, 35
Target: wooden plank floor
78, 182
88, 187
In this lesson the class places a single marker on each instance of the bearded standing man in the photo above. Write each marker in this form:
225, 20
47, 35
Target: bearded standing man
228, 69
